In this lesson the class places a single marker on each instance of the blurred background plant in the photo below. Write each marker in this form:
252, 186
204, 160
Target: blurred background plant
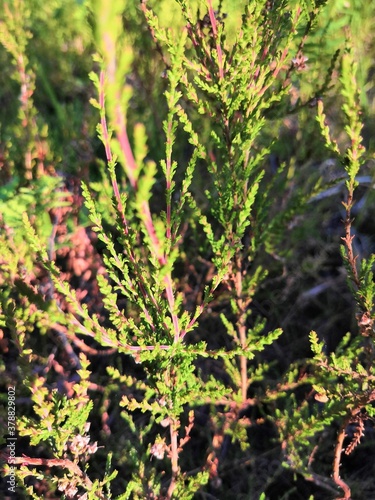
257, 204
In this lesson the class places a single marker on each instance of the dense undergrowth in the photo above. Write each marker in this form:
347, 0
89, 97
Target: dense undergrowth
186, 234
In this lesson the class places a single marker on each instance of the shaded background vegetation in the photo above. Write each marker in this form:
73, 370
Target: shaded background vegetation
306, 287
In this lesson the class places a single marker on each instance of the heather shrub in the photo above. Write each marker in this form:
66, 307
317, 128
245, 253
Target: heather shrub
186, 266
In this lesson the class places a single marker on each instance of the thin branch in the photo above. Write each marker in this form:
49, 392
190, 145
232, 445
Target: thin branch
218, 46
57, 462
348, 238
337, 462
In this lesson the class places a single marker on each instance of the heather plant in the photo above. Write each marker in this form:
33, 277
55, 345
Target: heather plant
130, 305
343, 380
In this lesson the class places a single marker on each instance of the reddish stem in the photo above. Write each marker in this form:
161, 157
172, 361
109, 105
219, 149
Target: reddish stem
336, 464
214, 31
108, 151
122, 136
174, 459
348, 238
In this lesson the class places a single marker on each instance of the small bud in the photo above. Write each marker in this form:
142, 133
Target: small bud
158, 450
299, 62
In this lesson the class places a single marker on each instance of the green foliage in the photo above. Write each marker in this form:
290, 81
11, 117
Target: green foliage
147, 269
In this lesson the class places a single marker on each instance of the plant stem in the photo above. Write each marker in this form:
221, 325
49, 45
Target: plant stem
336, 463
174, 458
348, 239
218, 46
242, 305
